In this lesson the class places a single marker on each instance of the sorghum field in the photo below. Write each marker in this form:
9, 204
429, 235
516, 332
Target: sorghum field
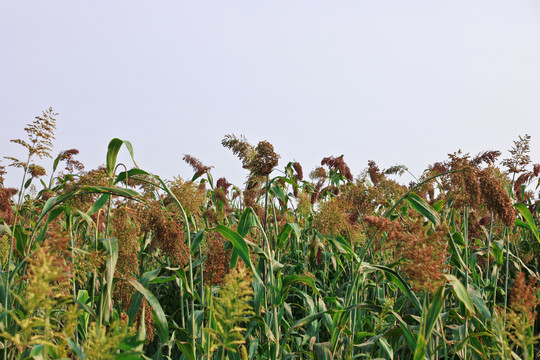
118, 263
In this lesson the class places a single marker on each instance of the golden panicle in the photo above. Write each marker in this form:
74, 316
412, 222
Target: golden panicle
191, 195
40, 135
36, 171
332, 218
231, 310
520, 158
240, 147
48, 314
103, 342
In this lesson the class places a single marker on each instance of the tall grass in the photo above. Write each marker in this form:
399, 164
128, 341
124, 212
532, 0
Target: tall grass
117, 263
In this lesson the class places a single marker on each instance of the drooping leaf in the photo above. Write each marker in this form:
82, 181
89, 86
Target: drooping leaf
159, 316
460, 292
240, 246
420, 205
530, 224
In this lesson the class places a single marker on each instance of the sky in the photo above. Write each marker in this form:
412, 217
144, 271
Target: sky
397, 82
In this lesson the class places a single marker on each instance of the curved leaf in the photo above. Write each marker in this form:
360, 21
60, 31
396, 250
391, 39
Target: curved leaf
420, 205
159, 316
530, 224
461, 292
239, 245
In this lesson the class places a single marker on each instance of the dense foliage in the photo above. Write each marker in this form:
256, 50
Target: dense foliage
120, 264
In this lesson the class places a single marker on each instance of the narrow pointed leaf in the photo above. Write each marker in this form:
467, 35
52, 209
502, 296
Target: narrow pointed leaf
159, 316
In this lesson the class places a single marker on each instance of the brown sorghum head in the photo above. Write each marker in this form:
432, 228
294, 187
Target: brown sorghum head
223, 184
216, 265
525, 179
250, 198
168, 230
465, 183
495, 197
95, 177
379, 223
318, 174
148, 320
298, 168
126, 230
339, 164
425, 259
197, 165
423, 251
487, 157
265, 159
6, 207
374, 172
2, 173
524, 298
71, 163
439, 168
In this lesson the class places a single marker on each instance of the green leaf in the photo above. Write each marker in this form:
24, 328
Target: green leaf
420, 349
394, 277
110, 190
292, 279
129, 174
407, 332
342, 246
461, 292
112, 153
479, 302
136, 300
76, 348
307, 320
524, 210
240, 246
111, 246
98, 204
21, 238
321, 351
245, 222
434, 311
264, 327
197, 240
284, 234
419, 204
159, 316
186, 349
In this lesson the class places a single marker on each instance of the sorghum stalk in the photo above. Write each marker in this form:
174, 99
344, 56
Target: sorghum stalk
489, 246
506, 267
466, 240
11, 241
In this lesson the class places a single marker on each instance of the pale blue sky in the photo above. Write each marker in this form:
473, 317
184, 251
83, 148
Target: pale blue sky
399, 82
